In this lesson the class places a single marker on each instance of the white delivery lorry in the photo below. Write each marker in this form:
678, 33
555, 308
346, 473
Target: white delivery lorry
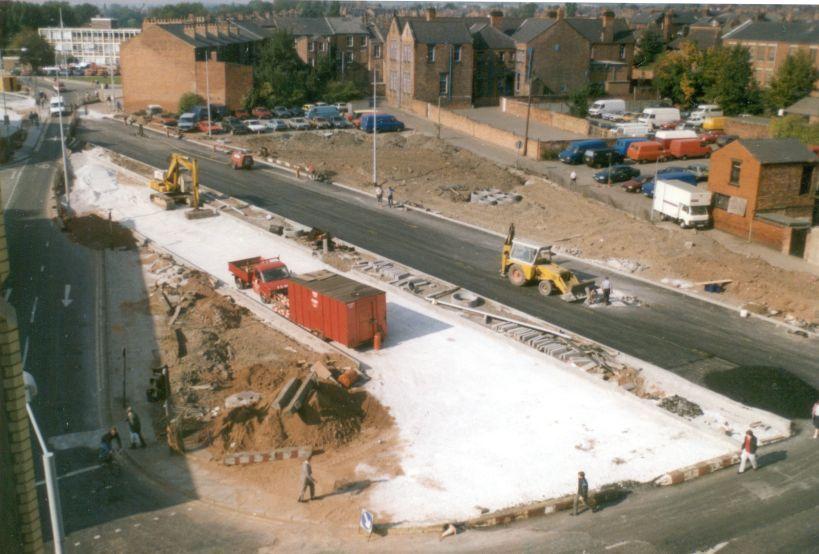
681, 202
659, 116
607, 106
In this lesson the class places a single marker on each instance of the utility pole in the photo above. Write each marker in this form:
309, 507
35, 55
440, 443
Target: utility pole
52, 489
529, 102
375, 128
207, 90
66, 176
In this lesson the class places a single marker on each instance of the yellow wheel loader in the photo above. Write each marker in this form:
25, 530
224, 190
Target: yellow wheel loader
170, 185
523, 264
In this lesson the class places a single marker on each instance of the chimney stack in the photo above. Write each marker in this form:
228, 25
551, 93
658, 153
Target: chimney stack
607, 35
667, 26
561, 13
430, 14
495, 18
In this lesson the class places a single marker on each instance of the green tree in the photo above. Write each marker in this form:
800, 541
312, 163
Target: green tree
579, 102
279, 75
188, 101
795, 126
524, 10
793, 80
649, 46
571, 9
677, 75
38, 52
728, 80
180, 10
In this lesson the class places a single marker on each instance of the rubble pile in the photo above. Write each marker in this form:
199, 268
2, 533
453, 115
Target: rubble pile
682, 407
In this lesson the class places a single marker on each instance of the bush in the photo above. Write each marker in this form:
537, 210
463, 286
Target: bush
188, 100
795, 126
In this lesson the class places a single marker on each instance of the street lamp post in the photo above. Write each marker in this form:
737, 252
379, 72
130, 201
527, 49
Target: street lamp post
375, 127
207, 91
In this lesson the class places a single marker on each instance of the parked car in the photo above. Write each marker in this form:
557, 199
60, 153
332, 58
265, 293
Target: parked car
699, 170
241, 114
659, 116
669, 125
261, 112
321, 123
616, 174
234, 126
296, 111
710, 137
256, 125
168, 120
212, 128
573, 154
622, 144
307, 107
648, 151
714, 123
635, 184
341, 123
605, 106
341, 107
325, 112
277, 125
299, 124
281, 112
670, 169
680, 175
601, 157
187, 122
381, 123
689, 148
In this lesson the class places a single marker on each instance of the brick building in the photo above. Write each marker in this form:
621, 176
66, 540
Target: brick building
561, 55
704, 34
494, 72
765, 191
429, 59
170, 58
770, 43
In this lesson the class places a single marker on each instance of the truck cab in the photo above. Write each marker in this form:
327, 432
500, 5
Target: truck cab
270, 277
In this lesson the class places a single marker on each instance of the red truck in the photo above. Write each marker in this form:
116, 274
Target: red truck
267, 276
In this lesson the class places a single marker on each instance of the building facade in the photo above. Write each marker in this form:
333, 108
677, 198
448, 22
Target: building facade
170, 58
770, 43
97, 44
765, 191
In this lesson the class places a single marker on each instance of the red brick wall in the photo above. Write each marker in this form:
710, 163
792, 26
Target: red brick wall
547, 117
745, 129
779, 191
228, 82
719, 182
426, 74
560, 60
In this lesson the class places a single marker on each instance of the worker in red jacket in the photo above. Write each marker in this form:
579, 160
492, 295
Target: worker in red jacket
748, 451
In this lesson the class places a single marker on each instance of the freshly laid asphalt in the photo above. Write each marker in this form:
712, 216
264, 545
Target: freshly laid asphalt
688, 336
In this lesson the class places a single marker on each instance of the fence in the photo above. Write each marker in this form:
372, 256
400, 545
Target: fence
547, 117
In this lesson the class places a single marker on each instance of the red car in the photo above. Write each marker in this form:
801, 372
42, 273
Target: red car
241, 114
261, 112
636, 184
213, 127
669, 126
710, 137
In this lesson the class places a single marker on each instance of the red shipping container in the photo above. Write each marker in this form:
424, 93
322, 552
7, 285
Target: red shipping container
337, 308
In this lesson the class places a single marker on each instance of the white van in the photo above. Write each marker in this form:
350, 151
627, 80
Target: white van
658, 116
661, 136
607, 105
58, 106
632, 129
703, 112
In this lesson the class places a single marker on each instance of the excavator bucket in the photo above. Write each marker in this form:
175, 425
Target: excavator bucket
578, 292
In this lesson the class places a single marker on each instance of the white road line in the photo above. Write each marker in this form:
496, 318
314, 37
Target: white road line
72, 473
8, 294
34, 309
25, 353
15, 178
42, 268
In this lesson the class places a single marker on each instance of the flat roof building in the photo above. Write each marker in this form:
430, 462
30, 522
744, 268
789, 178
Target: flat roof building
97, 44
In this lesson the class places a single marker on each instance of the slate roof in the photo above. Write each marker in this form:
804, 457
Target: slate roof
796, 32
778, 151
808, 106
531, 28
508, 25
702, 38
677, 18
440, 31
489, 37
320, 26
592, 28
247, 32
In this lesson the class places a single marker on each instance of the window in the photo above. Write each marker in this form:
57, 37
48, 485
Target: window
622, 51
349, 56
393, 50
323, 46
377, 51
363, 42
430, 53
457, 54
807, 180
350, 41
393, 80
443, 84
735, 169
721, 201
771, 53
407, 53
312, 46
407, 81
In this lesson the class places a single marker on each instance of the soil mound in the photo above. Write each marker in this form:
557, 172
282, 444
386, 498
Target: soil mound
98, 233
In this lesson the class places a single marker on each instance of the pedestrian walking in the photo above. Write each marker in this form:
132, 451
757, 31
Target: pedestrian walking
307, 480
606, 288
815, 413
140, 132
748, 451
135, 427
390, 193
582, 492
573, 177
379, 194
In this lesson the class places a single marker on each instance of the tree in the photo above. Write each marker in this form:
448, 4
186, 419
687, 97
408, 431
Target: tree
279, 75
728, 80
571, 9
793, 80
579, 102
188, 101
179, 11
795, 126
649, 46
677, 75
38, 52
524, 10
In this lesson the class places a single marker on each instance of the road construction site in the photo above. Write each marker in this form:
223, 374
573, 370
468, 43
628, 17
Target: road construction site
468, 406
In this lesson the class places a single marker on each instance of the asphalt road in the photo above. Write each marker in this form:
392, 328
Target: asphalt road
690, 337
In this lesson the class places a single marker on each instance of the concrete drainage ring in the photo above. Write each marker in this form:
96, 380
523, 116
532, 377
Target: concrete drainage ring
467, 299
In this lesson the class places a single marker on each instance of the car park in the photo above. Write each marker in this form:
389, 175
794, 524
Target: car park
296, 111
256, 125
573, 154
689, 148
341, 123
601, 157
261, 112
647, 151
700, 171
187, 122
299, 124
321, 123
616, 174
234, 126
635, 184
277, 125
209, 127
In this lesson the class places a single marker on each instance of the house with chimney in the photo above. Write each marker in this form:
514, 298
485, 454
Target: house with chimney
559, 55
494, 74
171, 57
705, 33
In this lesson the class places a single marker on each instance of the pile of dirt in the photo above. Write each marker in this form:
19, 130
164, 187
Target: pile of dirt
98, 233
215, 348
681, 406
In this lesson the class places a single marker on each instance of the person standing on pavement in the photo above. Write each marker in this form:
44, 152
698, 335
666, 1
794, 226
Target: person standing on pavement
748, 451
582, 492
107, 444
573, 177
307, 480
135, 427
390, 192
606, 287
815, 413
379, 194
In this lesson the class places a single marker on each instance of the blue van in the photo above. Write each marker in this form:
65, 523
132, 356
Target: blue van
622, 144
574, 153
383, 122
326, 112
684, 176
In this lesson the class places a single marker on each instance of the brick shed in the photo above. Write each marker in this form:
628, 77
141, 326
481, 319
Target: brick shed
765, 191
168, 59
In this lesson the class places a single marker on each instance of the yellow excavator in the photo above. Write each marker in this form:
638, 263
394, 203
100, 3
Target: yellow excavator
523, 264
171, 187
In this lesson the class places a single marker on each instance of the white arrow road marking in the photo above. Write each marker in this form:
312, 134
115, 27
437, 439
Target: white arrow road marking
66, 299
25, 353
34, 309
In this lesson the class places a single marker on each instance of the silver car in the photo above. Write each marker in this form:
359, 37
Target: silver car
299, 123
277, 125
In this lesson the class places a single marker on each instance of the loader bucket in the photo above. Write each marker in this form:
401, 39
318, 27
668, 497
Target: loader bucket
578, 292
